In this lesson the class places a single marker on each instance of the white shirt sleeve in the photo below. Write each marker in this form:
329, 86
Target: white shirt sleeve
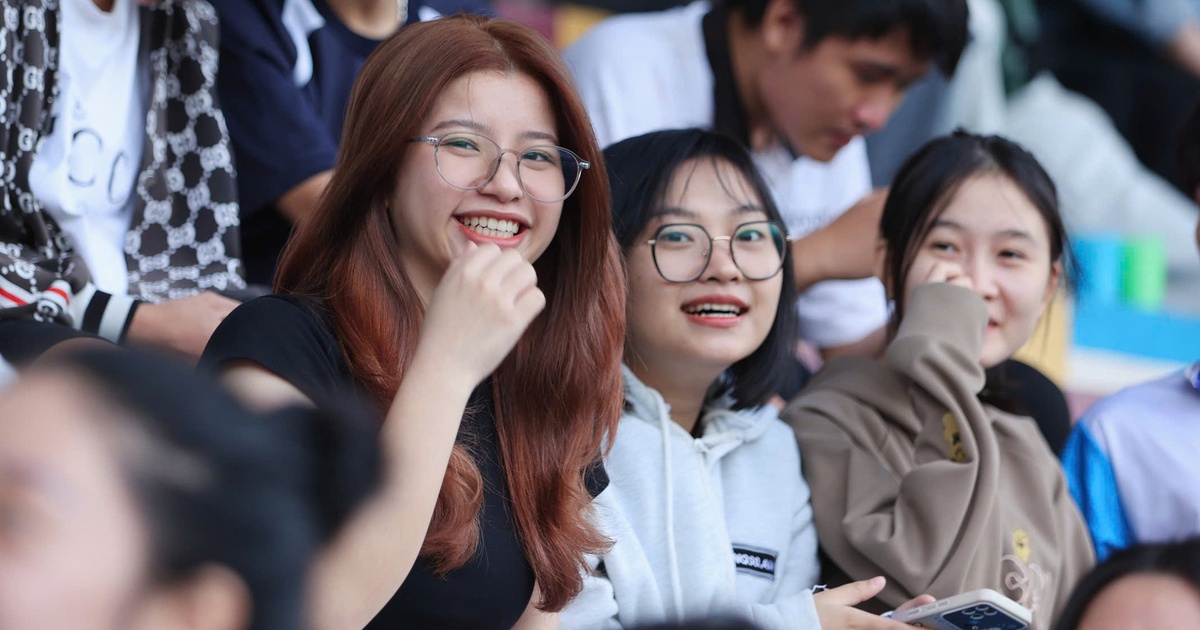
840, 312
639, 73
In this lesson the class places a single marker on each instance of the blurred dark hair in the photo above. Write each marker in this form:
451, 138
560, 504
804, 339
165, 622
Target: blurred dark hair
938, 28
219, 485
640, 170
1177, 559
927, 182
1187, 153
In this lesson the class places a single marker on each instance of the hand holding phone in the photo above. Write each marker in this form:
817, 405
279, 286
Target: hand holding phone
983, 609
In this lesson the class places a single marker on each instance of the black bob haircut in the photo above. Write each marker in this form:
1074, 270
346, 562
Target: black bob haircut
938, 28
1176, 559
640, 170
219, 485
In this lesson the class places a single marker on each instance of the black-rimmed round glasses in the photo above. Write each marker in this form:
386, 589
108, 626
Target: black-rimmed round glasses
682, 251
468, 161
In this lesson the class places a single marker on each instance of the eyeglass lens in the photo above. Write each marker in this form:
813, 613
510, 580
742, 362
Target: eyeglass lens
682, 250
469, 161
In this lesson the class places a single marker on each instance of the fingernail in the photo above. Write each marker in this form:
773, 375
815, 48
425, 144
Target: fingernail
877, 580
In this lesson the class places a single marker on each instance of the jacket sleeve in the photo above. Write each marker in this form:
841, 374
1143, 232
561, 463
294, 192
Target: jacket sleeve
795, 612
913, 526
32, 291
793, 607
278, 137
939, 343
596, 605
1076, 549
40, 277
1093, 485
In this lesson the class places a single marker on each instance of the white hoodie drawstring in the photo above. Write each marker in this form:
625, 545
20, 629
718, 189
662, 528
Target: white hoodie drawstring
664, 423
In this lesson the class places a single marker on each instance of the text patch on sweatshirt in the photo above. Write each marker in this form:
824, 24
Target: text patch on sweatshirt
754, 560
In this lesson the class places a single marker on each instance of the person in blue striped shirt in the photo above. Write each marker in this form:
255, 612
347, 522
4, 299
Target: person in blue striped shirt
1131, 460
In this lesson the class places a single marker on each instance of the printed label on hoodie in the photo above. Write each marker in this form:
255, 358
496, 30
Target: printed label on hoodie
755, 561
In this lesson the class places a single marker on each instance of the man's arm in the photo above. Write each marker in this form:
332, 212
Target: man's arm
872, 345
842, 250
181, 326
283, 148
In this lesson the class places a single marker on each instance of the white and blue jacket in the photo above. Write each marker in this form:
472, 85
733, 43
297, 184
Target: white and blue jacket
1133, 463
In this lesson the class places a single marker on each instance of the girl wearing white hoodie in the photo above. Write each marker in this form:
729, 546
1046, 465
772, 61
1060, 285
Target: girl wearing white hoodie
706, 507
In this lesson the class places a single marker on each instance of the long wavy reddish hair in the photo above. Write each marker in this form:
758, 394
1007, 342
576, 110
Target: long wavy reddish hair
558, 394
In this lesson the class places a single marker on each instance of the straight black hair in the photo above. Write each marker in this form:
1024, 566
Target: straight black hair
927, 182
937, 28
640, 170
219, 485
1179, 559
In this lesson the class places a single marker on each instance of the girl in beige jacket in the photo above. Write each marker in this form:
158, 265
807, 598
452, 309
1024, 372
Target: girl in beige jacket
918, 470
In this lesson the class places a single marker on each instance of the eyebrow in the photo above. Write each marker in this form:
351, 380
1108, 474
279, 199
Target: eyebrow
485, 130
878, 67
954, 225
676, 211
890, 72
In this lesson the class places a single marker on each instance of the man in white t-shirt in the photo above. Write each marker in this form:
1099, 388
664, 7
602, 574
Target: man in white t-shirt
119, 215
798, 81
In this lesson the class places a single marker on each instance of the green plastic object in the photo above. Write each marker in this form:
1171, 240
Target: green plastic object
1144, 273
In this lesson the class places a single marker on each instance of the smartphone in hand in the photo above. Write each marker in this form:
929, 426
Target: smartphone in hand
983, 609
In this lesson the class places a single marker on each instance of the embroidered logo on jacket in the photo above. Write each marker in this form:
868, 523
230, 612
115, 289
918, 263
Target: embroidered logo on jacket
754, 561
1024, 581
953, 438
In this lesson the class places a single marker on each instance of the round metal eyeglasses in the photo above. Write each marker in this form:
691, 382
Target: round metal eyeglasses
682, 251
468, 161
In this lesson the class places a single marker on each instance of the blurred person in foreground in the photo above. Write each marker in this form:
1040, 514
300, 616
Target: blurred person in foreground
1144, 587
136, 495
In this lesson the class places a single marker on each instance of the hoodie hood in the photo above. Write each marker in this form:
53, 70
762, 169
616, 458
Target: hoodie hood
721, 423
889, 392
719, 419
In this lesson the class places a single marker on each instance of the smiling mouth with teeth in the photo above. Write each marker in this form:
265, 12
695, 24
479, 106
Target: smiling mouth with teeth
714, 310
490, 227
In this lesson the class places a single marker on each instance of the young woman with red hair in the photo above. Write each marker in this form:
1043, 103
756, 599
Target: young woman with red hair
460, 272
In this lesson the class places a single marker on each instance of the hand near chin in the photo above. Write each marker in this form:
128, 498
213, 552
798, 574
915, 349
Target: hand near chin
482, 306
949, 272
836, 607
